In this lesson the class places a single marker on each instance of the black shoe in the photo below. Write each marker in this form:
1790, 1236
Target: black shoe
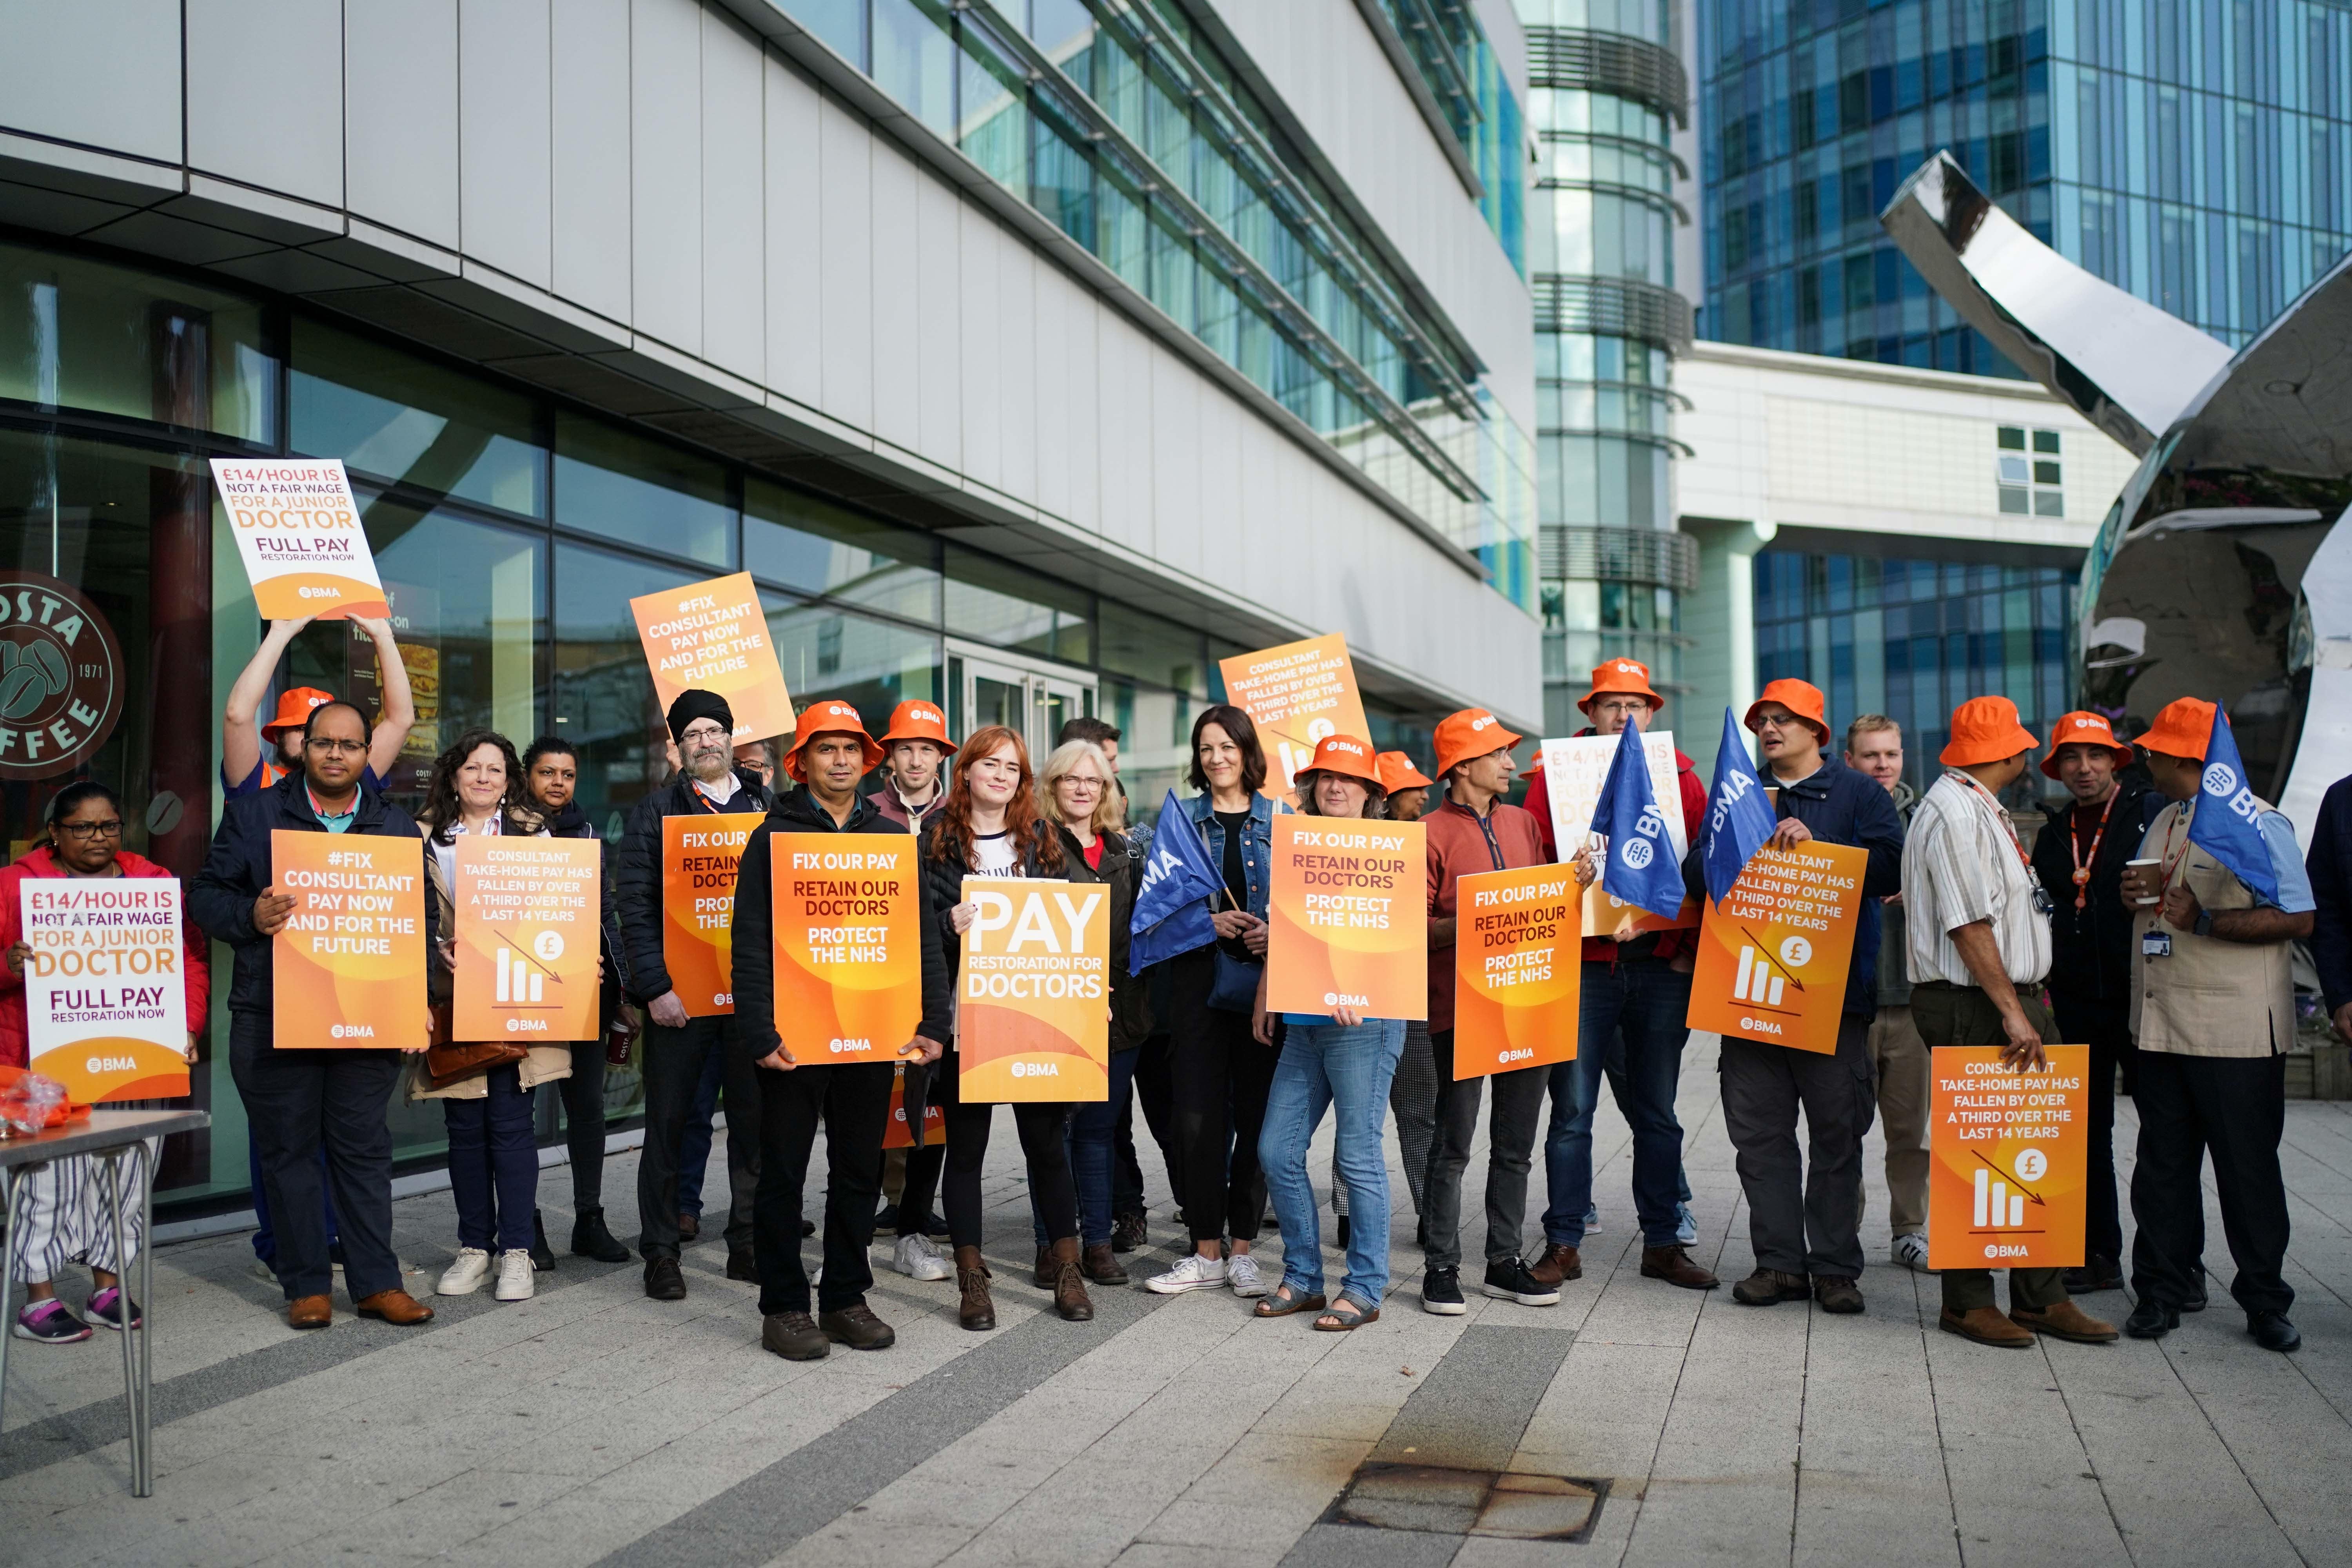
886, 1218
1507, 1279
2196, 1302
2273, 1331
1129, 1232
1340, 1233
936, 1229
857, 1328
591, 1239
1440, 1292
2098, 1272
2151, 1319
808, 1227
663, 1281
794, 1336
542, 1257
741, 1265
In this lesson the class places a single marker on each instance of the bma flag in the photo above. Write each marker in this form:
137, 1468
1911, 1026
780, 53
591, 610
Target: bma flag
1642, 867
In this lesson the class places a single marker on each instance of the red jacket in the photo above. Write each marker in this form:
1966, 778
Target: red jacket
1460, 846
41, 862
1601, 949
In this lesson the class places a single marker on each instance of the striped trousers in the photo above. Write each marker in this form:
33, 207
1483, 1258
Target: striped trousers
61, 1217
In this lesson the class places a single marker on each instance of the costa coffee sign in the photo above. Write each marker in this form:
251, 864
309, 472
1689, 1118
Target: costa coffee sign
60, 677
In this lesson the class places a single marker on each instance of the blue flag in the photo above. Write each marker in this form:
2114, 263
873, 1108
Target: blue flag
1642, 869
1172, 909
1738, 820
2224, 825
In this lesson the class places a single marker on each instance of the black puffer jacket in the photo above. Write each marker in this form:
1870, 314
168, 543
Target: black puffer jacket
1130, 998
943, 878
572, 823
637, 874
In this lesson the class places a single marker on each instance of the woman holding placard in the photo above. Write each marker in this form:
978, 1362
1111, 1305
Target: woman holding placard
1343, 1061
64, 1218
989, 825
478, 787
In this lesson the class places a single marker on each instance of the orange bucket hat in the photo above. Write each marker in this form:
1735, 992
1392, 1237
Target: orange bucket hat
294, 710
2085, 729
1985, 729
1630, 676
829, 717
1473, 733
915, 720
1348, 757
1800, 698
1397, 773
2182, 727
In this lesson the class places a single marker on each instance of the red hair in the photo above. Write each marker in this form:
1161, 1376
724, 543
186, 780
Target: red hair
1033, 836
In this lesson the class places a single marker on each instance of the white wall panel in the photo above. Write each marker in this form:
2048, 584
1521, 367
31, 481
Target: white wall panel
937, 304
846, 155
665, 171
1180, 527
1124, 395
400, 116
1080, 440
506, 148
1054, 326
734, 220
591, 153
795, 235
981, 390
1016, 360
269, 111
897, 359
54, 52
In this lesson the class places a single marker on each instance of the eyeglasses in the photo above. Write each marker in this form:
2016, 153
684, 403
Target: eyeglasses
87, 831
323, 744
704, 732
1084, 786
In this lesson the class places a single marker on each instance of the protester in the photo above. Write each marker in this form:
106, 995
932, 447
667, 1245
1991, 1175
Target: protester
1635, 995
676, 1048
1805, 1215
2213, 1009
830, 751
300, 1102
915, 751
1340, 1061
1079, 794
1979, 947
1407, 787
63, 1214
477, 787
1218, 1073
2330, 868
1898, 1056
1129, 1230
2079, 856
1104, 736
244, 767
758, 758
1473, 831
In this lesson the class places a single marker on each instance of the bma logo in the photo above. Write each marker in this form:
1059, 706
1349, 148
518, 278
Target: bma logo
1036, 1069
2221, 782
60, 677
1635, 854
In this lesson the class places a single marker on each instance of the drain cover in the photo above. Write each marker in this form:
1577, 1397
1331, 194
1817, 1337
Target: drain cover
1441, 1499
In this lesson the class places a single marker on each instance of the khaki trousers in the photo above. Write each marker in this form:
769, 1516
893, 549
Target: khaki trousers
1898, 1059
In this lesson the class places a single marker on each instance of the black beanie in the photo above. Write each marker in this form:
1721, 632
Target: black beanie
696, 703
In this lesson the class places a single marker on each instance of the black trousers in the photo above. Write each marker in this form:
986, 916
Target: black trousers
853, 1101
1804, 1215
921, 1181
2105, 1027
1218, 1076
1511, 1125
1045, 1139
300, 1103
584, 1122
1154, 1092
673, 1061
2236, 1107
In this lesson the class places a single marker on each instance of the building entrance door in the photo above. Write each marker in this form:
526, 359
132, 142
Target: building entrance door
1033, 697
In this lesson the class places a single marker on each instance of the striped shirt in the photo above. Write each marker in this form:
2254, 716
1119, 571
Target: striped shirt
1962, 863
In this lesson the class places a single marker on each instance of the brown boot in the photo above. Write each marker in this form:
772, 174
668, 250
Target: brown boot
2066, 1321
1102, 1265
1767, 1286
1070, 1297
1673, 1265
1987, 1326
1557, 1265
975, 1311
1047, 1269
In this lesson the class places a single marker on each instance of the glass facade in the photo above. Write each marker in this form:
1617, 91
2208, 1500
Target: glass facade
2198, 155
1915, 638
1450, 53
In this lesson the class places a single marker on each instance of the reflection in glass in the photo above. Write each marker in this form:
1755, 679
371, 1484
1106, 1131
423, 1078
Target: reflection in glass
1002, 604
603, 695
797, 541
395, 417
871, 665
641, 492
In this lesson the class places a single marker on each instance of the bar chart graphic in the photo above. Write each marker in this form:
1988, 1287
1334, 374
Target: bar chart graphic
1757, 982
520, 979
1996, 1206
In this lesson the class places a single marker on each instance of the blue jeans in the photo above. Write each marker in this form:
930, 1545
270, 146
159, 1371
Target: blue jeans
1092, 1141
494, 1164
1647, 1001
694, 1145
1348, 1070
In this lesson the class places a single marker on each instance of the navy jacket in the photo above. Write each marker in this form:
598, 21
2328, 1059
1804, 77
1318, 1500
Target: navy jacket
237, 868
1840, 806
637, 876
2330, 865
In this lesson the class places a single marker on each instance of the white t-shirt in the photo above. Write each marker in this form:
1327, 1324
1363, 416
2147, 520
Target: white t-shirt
995, 854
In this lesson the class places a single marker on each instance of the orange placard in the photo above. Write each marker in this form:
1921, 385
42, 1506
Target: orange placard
1574, 770
895, 1134
528, 916
105, 1000
1349, 913
348, 968
1773, 955
714, 635
1517, 970
1296, 695
296, 528
1033, 1002
699, 855
2008, 1181
849, 944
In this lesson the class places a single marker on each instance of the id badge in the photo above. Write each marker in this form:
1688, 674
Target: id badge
2156, 944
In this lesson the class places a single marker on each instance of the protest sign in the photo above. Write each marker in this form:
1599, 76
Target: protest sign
530, 913
1348, 917
1574, 770
896, 1133
2009, 1159
1033, 1000
1773, 955
106, 1002
1517, 970
349, 965
296, 528
699, 855
714, 635
1296, 695
848, 937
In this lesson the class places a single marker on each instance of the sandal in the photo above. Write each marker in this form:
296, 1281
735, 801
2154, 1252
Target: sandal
1282, 1303
1346, 1316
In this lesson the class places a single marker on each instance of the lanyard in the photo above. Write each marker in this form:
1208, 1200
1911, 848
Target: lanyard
2083, 864
2003, 817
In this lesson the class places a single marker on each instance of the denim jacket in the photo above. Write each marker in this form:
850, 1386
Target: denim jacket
1258, 852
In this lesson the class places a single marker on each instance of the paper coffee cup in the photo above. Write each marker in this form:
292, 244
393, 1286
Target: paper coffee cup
2143, 865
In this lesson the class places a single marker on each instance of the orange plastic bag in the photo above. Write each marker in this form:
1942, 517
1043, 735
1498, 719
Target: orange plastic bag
31, 1102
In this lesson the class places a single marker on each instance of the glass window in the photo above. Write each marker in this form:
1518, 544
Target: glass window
914, 61
1006, 607
2049, 503
2011, 438
871, 665
1157, 650
641, 492
2013, 471
796, 540
2045, 473
395, 417
2012, 499
601, 692
2045, 441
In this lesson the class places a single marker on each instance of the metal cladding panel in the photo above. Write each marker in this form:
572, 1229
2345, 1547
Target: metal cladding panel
287, 134
847, 159
400, 117
940, 323
1015, 309
734, 227
665, 171
796, 237
506, 153
590, 201
55, 51
897, 230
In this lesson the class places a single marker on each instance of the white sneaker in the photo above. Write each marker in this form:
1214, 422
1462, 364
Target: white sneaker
516, 1276
1193, 1272
1241, 1274
1911, 1252
916, 1258
465, 1277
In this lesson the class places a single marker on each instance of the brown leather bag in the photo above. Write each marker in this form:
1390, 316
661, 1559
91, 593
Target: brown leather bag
449, 1061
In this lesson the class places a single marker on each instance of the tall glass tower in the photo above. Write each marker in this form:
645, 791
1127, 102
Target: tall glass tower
1606, 89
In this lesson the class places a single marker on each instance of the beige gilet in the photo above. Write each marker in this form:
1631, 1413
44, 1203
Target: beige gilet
2210, 997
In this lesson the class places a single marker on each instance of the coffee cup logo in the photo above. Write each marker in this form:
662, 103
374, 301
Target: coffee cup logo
60, 677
